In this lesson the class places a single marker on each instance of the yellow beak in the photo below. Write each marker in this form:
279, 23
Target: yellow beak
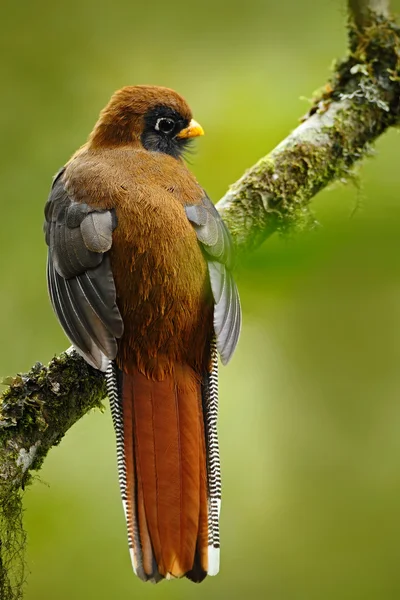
193, 130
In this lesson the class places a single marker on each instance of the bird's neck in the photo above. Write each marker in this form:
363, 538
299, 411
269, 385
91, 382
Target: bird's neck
110, 131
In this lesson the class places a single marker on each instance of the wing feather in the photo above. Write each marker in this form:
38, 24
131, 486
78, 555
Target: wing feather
80, 280
217, 245
67, 315
95, 230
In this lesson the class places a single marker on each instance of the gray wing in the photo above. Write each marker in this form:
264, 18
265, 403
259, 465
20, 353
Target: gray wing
79, 277
217, 245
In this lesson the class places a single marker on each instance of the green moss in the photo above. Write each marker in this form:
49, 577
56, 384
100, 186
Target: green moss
13, 539
372, 68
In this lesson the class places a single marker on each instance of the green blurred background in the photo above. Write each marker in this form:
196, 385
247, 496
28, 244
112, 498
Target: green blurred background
310, 408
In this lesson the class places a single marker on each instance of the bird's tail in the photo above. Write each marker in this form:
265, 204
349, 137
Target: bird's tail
168, 467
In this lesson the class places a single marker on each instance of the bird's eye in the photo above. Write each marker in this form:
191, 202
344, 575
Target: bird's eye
165, 125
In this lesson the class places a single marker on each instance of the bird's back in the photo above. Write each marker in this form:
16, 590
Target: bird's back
160, 273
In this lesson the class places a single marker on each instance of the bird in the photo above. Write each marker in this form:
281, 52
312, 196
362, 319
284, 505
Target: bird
139, 274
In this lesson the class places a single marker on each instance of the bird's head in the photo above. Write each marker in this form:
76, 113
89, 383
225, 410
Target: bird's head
156, 118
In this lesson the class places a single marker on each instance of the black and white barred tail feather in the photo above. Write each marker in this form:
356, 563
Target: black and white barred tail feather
113, 380
210, 407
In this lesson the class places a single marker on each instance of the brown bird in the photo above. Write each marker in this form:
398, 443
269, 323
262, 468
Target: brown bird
139, 275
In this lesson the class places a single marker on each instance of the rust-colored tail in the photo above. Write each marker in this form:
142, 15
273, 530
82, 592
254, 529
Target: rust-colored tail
163, 474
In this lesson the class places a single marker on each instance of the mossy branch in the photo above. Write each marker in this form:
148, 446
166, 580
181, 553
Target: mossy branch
359, 103
36, 410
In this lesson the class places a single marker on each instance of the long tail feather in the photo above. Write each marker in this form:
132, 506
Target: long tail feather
125, 475
163, 472
210, 406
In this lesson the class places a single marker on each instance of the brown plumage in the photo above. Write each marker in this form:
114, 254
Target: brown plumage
170, 465
139, 274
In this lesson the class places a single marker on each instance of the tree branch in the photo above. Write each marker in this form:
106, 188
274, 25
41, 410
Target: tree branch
359, 103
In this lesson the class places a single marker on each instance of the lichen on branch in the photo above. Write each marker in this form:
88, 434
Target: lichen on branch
359, 103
